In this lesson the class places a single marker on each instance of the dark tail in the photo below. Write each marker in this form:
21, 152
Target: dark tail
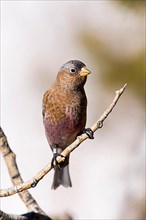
61, 177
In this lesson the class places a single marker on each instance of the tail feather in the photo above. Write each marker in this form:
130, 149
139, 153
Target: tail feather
61, 177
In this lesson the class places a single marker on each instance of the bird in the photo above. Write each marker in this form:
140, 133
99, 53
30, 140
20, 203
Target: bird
64, 110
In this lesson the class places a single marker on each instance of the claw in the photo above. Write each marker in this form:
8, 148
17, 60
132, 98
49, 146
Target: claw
54, 159
89, 132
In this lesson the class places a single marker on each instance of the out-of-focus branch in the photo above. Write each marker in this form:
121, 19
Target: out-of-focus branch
15, 175
27, 216
4, 216
10, 159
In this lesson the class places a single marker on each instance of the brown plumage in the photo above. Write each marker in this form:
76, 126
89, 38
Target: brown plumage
64, 113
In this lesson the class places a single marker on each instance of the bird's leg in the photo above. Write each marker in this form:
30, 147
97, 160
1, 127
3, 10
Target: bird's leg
89, 132
54, 159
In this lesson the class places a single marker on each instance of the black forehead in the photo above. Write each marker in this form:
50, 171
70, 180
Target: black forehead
73, 64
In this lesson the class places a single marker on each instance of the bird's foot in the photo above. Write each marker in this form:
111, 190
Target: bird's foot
54, 159
89, 133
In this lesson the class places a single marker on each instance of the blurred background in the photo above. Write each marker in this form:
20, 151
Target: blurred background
37, 37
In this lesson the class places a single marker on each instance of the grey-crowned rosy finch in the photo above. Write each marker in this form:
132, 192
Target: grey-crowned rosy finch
64, 113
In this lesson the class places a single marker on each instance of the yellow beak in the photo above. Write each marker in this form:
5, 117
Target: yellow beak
84, 71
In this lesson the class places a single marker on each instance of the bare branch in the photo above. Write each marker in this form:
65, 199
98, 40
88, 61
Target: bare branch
10, 159
19, 187
4, 216
27, 216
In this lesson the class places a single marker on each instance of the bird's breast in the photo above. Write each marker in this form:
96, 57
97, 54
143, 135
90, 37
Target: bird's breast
64, 118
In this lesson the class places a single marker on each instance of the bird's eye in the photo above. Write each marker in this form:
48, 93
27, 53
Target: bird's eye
72, 70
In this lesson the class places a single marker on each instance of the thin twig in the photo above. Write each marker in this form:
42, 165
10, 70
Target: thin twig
34, 181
